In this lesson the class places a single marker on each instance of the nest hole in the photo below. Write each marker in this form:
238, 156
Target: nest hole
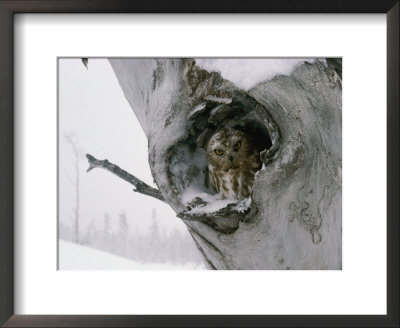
188, 165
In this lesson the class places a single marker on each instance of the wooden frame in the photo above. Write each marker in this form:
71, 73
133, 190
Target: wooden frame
9, 7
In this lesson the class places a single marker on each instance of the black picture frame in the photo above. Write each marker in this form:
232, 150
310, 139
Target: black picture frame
7, 10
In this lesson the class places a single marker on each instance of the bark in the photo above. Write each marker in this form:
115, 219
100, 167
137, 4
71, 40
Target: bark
294, 219
139, 185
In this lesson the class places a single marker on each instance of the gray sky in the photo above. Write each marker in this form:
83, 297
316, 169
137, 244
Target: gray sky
93, 109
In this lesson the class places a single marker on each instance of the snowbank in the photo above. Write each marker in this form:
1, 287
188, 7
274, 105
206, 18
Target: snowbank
77, 257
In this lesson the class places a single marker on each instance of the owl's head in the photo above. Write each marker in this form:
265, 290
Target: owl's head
229, 149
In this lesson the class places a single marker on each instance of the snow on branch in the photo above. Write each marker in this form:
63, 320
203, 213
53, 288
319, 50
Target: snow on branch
140, 186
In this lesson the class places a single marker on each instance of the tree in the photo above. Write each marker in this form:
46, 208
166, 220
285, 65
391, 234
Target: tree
107, 233
91, 234
155, 243
293, 219
123, 233
70, 138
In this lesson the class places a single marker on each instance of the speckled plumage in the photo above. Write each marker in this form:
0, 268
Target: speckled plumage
233, 159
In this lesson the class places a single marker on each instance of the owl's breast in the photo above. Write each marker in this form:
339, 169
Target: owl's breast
232, 184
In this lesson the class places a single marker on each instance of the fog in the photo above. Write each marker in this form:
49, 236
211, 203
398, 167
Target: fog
95, 115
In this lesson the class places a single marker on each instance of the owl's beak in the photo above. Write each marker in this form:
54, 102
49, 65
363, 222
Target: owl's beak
227, 166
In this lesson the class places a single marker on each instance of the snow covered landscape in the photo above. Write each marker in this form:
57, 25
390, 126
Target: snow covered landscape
148, 122
78, 257
95, 116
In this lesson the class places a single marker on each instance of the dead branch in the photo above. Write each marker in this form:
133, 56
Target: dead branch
140, 186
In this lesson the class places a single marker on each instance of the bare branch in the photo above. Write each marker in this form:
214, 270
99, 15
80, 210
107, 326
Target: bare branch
140, 186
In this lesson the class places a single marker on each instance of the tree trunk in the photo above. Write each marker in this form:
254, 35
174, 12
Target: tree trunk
293, 219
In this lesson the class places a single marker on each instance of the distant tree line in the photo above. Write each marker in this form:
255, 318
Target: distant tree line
155, 246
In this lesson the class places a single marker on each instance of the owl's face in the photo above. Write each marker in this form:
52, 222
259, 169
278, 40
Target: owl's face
229, 149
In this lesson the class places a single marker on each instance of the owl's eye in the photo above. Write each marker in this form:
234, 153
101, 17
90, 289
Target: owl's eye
219, 152
237, 145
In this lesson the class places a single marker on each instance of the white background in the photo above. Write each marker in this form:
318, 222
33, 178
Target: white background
360, 288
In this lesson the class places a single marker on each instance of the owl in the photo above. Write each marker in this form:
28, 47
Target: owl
233, 159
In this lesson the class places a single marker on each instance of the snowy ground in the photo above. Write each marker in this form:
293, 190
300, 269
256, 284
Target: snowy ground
77, 257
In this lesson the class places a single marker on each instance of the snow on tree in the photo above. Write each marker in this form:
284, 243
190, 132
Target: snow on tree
293, 218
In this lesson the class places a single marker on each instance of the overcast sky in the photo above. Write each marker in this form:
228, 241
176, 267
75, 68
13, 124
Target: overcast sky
93, 109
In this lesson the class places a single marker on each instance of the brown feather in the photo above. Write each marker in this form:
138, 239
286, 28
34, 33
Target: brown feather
232, 166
